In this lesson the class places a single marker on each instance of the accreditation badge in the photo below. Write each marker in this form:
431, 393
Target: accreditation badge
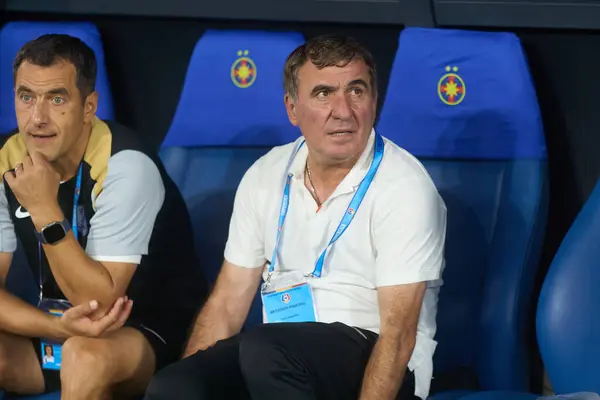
51, 349
288, 297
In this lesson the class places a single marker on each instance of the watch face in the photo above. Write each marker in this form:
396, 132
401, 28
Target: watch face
53, 233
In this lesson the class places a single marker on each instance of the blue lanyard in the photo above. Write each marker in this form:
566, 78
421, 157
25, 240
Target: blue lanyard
348, 215
73, 224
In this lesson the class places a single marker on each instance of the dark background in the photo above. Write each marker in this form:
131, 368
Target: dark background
148, 44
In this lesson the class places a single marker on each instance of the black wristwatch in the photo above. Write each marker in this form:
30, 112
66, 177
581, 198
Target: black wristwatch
54, 232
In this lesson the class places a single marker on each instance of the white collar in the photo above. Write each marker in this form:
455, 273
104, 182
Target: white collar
352, 180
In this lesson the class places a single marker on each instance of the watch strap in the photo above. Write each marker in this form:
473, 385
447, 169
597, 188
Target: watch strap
66, 225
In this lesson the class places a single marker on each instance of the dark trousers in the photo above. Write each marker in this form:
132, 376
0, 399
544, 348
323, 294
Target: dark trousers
289, 361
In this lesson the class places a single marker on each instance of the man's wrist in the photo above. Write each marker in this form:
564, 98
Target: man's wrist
57, 328
43, 217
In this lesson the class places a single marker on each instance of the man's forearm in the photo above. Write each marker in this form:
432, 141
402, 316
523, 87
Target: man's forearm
386, 368
212, 324
80, 278
21, 318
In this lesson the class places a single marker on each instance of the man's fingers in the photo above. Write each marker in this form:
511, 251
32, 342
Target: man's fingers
19, 169
110, 318
37, 158
189, 352
27, 162
9, 177
123, 315
115, 310
81, 310
125, 312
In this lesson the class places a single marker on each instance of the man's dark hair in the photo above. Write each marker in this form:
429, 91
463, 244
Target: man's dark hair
326, 51
49, 49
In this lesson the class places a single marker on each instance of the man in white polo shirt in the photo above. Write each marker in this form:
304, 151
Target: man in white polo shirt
347, 232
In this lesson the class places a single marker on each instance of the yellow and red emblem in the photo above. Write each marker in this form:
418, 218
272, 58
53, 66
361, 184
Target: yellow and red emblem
451, 88
243, 70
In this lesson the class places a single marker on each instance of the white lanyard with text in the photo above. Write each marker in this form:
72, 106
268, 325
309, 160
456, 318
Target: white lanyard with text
348, 215
73, 227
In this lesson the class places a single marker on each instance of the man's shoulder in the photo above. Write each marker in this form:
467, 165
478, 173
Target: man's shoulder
403, 176
109, 137
125, 138
401, 167
133, 165
272, 165
115, 152
132, 184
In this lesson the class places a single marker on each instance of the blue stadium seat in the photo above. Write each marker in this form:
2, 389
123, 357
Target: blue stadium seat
464, 103
15, 34
230, 113
500, 395
47, 396
567, 324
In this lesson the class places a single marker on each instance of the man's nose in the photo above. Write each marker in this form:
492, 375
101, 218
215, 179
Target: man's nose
342, 109
40, 115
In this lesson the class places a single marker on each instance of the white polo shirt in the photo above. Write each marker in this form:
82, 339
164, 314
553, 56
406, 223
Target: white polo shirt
396, 237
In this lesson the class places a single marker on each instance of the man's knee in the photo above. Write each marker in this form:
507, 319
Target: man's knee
260, 356
81, 356
4, 365
19, 367
175, 382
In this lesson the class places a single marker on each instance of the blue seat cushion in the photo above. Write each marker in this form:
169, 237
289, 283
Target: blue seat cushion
568, 326
450, 395
208, 179
463, 102
501, 395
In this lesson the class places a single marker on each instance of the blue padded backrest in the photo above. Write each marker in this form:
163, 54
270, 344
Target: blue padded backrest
233, 91
568, 321
464, 104
223, 124
15, 34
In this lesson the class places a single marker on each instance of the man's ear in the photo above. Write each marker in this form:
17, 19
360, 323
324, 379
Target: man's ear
90, 106
290, 107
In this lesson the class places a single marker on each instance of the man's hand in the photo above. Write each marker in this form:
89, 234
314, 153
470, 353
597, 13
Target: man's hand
189, 351
77, 322
35, 184
399, 309
226, 308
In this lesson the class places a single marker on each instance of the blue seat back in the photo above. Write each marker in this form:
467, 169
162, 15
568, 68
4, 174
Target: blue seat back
464, 104
568, 322
15, 34
230, 113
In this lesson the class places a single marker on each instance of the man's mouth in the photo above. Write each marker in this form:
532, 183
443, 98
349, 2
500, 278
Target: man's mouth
42, 135
340, 133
